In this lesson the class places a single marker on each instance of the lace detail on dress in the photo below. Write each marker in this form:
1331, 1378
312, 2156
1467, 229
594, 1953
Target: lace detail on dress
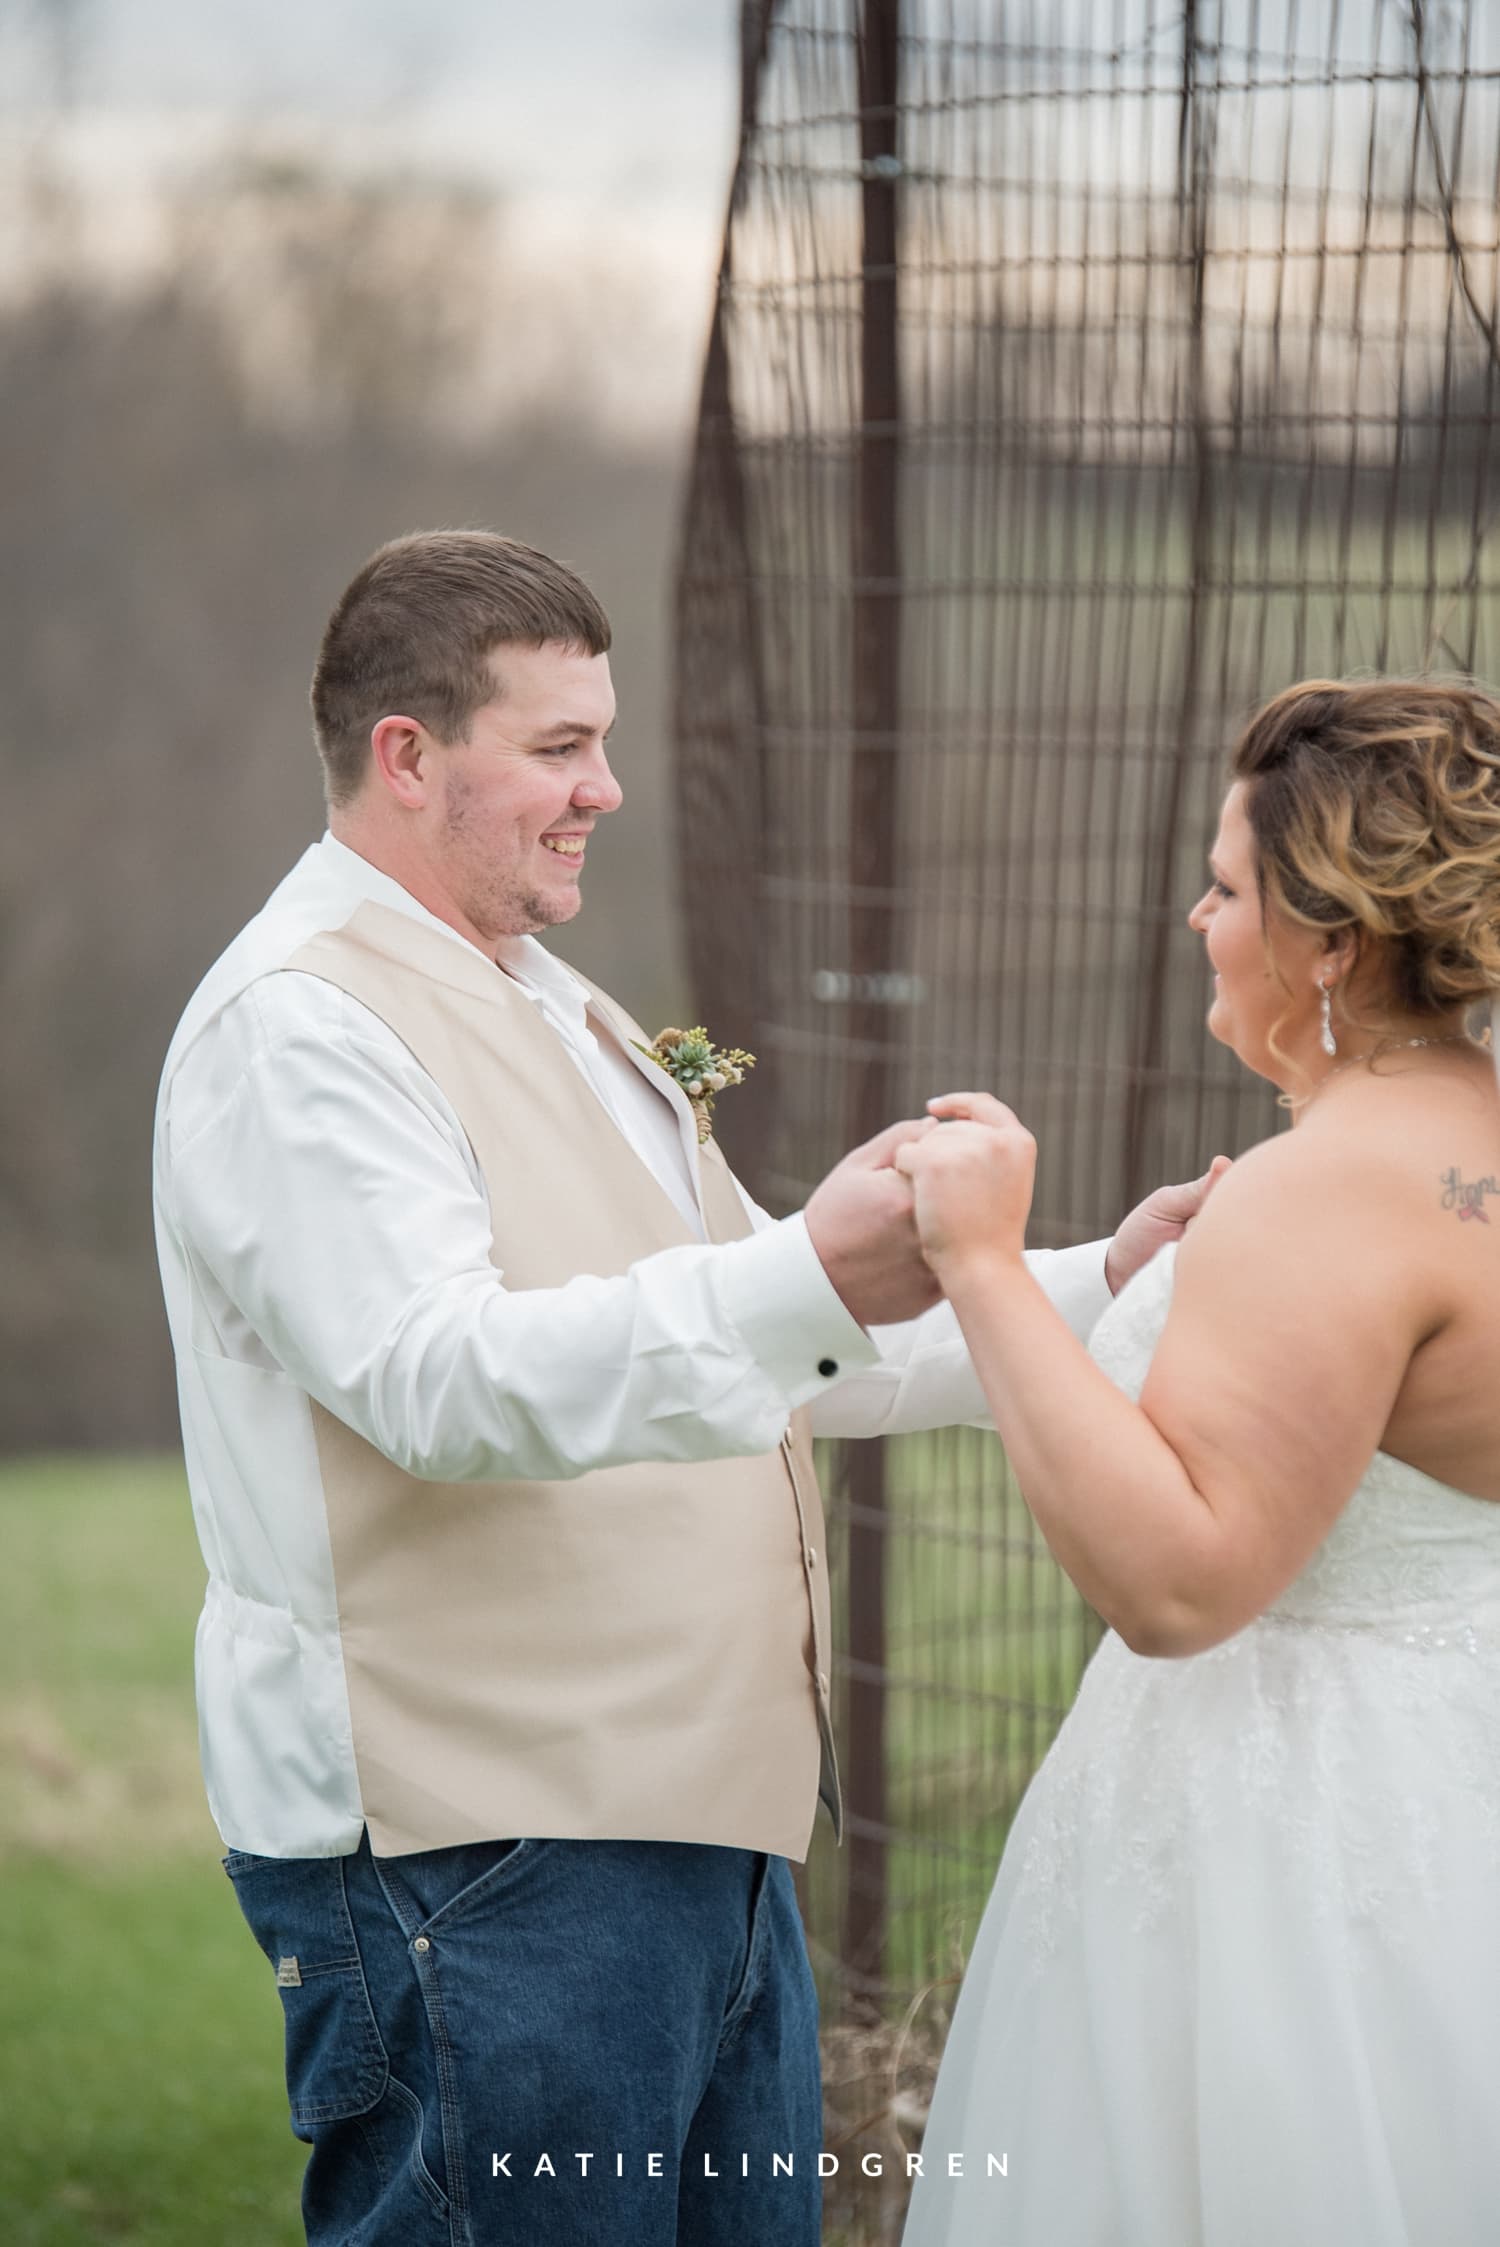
1330, 1733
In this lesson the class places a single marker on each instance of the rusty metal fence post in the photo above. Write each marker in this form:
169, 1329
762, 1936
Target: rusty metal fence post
875, 698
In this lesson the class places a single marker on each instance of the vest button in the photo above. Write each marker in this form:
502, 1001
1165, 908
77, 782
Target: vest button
828, 1367
812, 1556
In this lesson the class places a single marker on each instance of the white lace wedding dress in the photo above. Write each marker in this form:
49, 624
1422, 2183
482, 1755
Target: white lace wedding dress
1238, 1984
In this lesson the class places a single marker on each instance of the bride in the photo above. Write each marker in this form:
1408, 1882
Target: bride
1238, 1984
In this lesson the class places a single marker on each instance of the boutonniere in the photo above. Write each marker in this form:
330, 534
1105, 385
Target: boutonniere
693, 1061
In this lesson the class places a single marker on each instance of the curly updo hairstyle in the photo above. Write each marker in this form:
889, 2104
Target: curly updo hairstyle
1375, 806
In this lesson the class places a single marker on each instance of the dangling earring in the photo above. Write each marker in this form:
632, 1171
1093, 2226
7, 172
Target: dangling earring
1328, 1041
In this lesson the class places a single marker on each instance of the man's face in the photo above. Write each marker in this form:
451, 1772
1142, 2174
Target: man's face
520, 797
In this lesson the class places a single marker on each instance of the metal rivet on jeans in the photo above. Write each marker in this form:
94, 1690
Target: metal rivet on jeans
421, 1944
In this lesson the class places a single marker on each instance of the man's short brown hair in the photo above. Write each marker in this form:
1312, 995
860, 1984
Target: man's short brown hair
412, 636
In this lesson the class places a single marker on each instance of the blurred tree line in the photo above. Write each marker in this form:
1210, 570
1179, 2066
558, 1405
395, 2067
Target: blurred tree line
191, 470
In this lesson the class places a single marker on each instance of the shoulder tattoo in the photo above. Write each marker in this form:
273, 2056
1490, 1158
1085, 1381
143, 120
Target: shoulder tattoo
1467, 1196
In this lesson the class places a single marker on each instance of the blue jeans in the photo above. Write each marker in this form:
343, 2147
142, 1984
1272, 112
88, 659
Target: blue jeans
546, 2044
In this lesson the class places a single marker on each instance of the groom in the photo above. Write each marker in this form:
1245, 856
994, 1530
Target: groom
513, 1666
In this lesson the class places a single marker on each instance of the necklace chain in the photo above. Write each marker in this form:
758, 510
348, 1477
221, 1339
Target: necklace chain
1399, 1045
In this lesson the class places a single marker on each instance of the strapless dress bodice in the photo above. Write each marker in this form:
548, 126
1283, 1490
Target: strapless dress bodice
1408, 1557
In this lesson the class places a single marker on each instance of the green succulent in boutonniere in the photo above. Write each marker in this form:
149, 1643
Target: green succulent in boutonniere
702, 1069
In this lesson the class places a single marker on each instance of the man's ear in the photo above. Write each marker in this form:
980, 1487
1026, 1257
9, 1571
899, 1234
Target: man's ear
402, 750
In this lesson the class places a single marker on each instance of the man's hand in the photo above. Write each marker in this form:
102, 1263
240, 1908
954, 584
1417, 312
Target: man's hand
1163, 1216
861, 1223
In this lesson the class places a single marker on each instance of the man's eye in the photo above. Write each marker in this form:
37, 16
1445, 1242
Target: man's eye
558, 748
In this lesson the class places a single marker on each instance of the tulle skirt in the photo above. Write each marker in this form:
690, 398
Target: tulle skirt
1238, 1983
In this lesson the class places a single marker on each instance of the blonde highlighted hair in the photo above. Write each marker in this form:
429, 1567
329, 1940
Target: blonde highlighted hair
1375, 807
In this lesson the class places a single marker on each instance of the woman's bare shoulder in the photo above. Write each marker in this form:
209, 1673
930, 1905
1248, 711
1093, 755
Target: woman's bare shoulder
1421, 1134
1369, 1177
1294, 1165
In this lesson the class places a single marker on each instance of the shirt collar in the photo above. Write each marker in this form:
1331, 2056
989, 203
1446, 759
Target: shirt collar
521, 957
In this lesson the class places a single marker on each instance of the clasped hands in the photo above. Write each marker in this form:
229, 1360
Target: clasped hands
894, 1219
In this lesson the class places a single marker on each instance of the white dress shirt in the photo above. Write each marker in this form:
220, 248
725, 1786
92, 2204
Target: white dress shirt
324, 1232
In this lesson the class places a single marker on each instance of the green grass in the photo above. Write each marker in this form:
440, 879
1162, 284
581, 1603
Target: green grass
141, 2080
140, 2060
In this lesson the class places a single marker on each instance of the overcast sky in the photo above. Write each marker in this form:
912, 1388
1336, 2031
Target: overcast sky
631, 98
607, 127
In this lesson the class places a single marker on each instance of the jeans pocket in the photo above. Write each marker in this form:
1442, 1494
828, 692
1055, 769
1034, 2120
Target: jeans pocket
438, 1888
336, 2065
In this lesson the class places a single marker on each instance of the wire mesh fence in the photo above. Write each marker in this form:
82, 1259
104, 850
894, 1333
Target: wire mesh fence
1079, 375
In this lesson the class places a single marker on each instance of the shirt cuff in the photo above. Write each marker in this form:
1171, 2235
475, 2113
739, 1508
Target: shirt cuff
788, 1313
1074, 1283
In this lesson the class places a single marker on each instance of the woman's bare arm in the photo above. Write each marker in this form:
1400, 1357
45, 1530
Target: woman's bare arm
1299, 1299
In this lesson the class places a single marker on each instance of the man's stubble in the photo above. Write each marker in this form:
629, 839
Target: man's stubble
494, 905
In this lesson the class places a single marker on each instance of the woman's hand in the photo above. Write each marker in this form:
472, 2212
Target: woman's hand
972, 1180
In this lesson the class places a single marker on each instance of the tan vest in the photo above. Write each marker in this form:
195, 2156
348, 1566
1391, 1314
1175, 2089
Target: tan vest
641, 1653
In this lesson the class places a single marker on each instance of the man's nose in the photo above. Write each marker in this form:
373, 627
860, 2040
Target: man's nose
598, 789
